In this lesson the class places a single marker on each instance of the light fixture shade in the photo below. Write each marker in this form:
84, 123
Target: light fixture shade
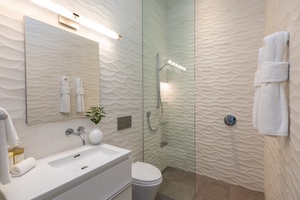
98, 27
76, 18
54, 8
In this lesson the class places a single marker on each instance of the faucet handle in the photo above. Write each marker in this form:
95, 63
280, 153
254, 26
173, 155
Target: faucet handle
80, 129
69, 131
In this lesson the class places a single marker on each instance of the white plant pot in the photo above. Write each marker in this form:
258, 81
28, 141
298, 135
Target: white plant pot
95, 135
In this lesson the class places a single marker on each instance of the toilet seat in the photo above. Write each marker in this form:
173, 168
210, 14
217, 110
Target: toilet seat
145, 174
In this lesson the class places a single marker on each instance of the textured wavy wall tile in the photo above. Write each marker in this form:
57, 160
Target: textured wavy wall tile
282, 161
12, 79
227, 38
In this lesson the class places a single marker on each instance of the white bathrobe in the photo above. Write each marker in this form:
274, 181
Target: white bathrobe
256, 84
272, 112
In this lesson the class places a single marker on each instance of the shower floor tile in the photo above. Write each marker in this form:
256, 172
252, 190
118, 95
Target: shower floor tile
181, 185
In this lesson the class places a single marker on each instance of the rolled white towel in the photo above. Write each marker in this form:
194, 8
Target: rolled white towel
23, 167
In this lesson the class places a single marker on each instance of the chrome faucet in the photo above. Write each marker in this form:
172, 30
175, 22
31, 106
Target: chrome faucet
80, 131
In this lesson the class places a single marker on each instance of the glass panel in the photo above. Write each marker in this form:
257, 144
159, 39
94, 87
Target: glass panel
168, 72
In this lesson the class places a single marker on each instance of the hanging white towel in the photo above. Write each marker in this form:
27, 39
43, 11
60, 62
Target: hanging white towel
273, 113
8, 136
79, 95
256, 84
65, 95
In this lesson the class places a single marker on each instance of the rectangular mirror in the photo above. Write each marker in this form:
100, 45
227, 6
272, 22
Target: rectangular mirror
53, 53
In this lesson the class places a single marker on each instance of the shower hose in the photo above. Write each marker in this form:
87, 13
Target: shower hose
160, 117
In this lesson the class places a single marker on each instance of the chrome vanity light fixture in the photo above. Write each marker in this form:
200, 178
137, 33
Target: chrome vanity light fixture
72, 20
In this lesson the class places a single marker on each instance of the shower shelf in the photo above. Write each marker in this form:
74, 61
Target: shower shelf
162, 144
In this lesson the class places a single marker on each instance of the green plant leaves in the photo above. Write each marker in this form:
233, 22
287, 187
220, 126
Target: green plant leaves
96, 114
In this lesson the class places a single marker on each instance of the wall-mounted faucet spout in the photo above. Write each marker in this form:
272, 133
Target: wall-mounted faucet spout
80, 131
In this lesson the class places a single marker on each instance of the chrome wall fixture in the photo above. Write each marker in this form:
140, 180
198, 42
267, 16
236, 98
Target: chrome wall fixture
80, 132
230, 120
73, 20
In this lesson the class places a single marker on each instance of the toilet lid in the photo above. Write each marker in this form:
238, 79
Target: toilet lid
144, 172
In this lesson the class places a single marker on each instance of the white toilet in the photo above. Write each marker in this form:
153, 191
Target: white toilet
146, 180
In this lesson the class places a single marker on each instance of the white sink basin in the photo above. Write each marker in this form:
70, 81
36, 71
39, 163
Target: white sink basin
83, 159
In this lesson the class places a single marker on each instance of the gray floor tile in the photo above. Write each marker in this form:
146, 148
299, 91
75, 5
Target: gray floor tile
176, 190
160, 196
238, 192
181, 185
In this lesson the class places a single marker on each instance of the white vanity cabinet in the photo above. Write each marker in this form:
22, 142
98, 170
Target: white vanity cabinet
90, 172
114, 183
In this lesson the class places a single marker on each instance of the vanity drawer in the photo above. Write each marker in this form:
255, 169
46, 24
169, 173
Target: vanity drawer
124, 195
102, 186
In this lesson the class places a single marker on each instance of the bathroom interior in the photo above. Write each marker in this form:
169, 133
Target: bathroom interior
217, 44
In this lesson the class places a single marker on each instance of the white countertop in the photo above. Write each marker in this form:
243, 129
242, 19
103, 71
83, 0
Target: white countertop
43, 181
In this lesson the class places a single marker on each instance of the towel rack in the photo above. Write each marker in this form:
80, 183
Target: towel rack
3, 116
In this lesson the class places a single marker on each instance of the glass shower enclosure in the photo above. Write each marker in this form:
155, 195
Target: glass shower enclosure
169, 84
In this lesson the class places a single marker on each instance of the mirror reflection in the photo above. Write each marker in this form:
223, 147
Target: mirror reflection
55, 62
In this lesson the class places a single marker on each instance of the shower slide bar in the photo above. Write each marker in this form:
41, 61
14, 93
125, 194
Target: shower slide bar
158, 96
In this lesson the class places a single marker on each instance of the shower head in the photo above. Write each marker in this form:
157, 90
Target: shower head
173, 64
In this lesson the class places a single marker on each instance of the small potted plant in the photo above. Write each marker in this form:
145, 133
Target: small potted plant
96, 114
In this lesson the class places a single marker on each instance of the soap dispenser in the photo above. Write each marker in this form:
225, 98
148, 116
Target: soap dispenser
18, 153
10, 157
